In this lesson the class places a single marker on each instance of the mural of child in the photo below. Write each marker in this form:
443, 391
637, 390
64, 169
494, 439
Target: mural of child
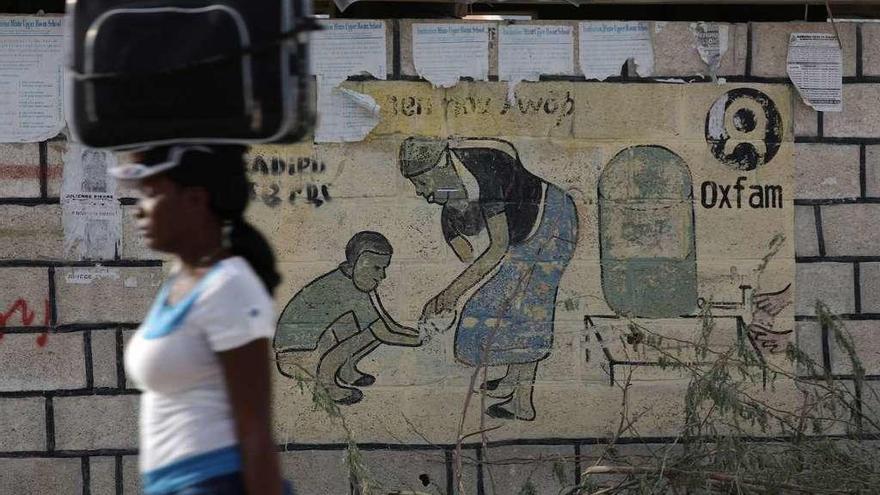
483, 186
340, 315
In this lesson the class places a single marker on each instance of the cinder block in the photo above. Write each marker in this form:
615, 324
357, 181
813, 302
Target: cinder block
55, 169
19, 170
407, 471
58, 363
871, 407
861, 113
96, 422
383, 181
131, 477
770, 45
830, 283
675, 52
31, 232
24, 295
600, 109
806, 240
40, 476
661, 400
623, 455
808, 335
102, 475
872, 171
806, 120
863, 337
870, 49
869, 276
824, 171
518, 469
408, 68
469, 479
836, 409
318, 472
104, 358
829, 407
105, 295
851, 230
23, 423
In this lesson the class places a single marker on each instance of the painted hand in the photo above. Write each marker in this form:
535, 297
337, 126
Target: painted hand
445, 301
408, 331
411, 334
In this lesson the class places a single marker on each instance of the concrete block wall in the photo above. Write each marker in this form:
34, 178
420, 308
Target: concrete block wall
68, 414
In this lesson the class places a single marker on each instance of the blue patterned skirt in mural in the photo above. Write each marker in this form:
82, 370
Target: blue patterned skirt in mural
509, 319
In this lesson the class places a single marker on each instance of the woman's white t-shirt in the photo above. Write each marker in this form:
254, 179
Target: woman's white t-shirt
185, 409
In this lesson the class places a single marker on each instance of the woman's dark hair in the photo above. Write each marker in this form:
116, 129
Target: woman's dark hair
222, 173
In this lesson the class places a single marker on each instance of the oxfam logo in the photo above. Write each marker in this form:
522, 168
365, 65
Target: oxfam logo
744, 129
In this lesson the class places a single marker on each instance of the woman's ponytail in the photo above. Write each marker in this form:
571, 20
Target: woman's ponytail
250, 244
222, 173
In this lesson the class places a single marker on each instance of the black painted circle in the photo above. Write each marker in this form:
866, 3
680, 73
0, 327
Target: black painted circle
744, 120
745, 155
424, 479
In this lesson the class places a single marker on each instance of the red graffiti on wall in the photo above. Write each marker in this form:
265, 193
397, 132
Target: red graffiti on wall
27, 317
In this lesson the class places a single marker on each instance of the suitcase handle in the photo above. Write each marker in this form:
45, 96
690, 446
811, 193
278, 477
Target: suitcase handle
302, 25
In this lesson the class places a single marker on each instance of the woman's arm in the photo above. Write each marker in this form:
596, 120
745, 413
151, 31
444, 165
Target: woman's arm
499, 241
246, 369
462, 248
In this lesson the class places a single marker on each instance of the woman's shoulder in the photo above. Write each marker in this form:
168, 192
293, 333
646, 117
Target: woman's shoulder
235, 278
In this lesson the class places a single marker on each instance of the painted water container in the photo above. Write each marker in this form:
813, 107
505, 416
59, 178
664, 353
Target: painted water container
646, 230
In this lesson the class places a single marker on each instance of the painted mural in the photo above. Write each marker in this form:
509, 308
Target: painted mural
479, 262
341, 312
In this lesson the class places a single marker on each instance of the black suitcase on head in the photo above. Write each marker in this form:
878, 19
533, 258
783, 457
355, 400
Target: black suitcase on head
149, 72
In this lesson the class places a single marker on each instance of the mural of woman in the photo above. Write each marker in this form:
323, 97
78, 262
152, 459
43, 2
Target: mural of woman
508, 320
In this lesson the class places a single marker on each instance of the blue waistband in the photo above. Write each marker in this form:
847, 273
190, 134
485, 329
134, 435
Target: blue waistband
191, 470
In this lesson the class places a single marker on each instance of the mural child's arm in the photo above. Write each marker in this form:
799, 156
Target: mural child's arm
499, 241
389, 331
388, 336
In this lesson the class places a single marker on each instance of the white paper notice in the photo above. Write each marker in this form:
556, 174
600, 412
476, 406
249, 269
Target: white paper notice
90, 214
344, 115
342, 49
346, 48
444, 53
31, 69
527, 51
710, 40
606, 45
814, 67
87, 276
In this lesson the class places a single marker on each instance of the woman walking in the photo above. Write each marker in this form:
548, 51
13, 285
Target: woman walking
201, 355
